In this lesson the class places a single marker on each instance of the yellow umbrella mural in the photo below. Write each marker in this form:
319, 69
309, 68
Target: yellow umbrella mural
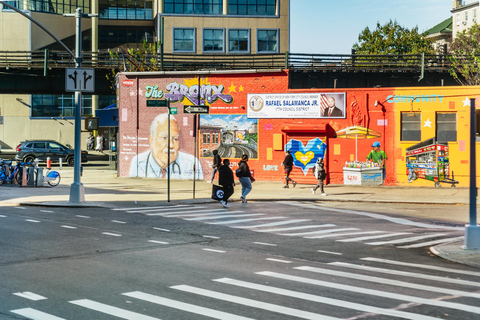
357, 132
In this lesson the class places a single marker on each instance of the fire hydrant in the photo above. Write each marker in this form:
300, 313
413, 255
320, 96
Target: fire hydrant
49, 163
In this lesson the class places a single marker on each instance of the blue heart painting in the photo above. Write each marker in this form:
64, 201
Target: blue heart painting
305, 157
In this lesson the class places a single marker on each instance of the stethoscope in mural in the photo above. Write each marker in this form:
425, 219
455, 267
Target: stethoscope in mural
174, 164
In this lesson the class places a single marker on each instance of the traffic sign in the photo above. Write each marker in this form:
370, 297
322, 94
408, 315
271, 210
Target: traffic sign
158, 103
173, 110
196, 109
79, 79
91, 123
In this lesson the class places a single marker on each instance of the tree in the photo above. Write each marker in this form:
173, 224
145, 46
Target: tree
392, 38
465, 57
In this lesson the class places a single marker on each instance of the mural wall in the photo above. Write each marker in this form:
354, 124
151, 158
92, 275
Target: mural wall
256, 114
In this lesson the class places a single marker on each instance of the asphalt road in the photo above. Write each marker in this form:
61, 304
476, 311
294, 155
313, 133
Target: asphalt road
278, 260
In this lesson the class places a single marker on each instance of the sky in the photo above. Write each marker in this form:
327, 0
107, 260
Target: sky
333, 26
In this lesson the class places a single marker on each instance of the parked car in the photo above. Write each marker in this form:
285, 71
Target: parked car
28, 150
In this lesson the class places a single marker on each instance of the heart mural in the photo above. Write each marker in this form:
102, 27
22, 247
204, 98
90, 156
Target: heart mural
305, 157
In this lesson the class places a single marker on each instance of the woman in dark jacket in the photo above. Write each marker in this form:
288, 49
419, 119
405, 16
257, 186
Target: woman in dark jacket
225, 179
244, 177
217, 161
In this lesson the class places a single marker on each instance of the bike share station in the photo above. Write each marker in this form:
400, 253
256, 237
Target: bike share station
28, 174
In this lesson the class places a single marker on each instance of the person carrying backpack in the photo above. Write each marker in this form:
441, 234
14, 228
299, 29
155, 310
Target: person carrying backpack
320, 174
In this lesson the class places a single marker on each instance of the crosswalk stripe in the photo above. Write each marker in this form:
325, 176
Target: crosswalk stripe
184, 306
245, 220
374, 237
189, 212
272, 224
429, 243
298, 228
166, 210
140, 209
35, 314
30, 295
196, 214
406, 274
343, 234
390, 282
253, 303
317, 232
113, 311
325, 300
379, 293
224, 216
404, 240
422, 266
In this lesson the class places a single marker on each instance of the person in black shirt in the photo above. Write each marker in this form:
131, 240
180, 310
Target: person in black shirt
217, 161
225, 179
288, 166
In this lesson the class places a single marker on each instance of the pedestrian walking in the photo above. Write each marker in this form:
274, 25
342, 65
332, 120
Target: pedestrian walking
99, 143
288, 166
245, 177
90, 141
226, 180
320, 174
217, 161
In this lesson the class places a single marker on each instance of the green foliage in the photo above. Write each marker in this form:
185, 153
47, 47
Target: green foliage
392, 38
465, 56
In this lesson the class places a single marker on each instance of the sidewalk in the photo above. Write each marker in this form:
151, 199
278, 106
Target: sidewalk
104, 189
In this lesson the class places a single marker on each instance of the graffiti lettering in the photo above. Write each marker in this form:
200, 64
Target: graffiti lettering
208, 93
153, 92
351, 177
373, 177
270, 168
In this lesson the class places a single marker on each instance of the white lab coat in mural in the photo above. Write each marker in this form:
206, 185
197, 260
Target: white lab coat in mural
145, 166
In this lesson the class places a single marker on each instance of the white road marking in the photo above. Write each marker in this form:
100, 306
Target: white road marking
404, 240
210, 237
254, 303
316, 232
111, 234
23, 208
80, 216
113, 311
343, 234
195, 213
330, 252
140, 209
35, 314
224, 216
298, 228
278, 260
266, 244
325, 300
161, 229
31, 220
423, 266
156, 241
213, 250
407, 274
46, 211
389, 282
117, 221
245, 220
184, 306
30, 296
272, 224
2, 216
374, 237
68, 227
378, 293
430, 243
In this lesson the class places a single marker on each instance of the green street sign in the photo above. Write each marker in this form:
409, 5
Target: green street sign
173, 110
158, 103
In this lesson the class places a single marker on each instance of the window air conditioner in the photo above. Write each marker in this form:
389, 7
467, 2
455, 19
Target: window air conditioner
464, 22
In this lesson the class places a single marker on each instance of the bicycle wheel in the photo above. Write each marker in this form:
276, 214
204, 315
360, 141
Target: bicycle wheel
53, 178
18, 177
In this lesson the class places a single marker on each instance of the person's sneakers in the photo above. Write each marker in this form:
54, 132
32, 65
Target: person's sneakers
209, 181
313, 191
243, 200
324, 194
224, 204
285, 186
294, 184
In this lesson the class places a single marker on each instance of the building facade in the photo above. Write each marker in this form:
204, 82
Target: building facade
191, 27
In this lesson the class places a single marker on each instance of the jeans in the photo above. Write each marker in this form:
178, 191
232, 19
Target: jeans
213, 174
246, 186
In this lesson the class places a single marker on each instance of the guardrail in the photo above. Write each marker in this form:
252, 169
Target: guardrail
192, 62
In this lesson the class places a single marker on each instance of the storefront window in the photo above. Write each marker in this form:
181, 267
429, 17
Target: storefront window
411, 126
446, 127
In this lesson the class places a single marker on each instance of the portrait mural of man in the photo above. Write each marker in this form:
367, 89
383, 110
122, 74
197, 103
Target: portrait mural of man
153, 163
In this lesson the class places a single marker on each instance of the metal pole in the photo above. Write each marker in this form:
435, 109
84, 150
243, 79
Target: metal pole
77, 192
168, 156
194, 151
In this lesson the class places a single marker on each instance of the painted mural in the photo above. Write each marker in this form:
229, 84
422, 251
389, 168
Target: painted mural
305, 156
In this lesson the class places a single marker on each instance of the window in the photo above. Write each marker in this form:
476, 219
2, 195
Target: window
204, 138
267, 41
239, 40
50, 6
411, 126
213, 40
183, 40
126, 9
194, 6
446, 127
58, 106
252, 7
111, 37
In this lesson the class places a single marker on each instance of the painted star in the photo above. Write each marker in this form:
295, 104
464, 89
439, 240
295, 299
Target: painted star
427, 123
466, 102
240, 88
233, 88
